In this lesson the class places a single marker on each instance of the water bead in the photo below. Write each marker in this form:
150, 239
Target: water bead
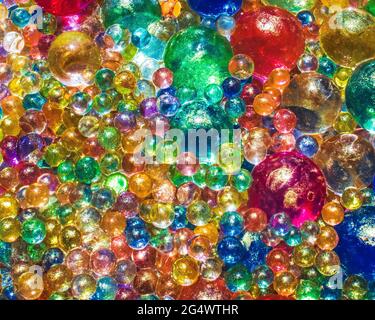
74, 58
64, 7
284, 121
327, 67
314, 99
337, 167
345, 37
360, 95
87, 170
285, 283
307, 62
10, 230
238, 278
241, 67
327, 263
230, 250
83, 286
332, 213
351, 198
33, 231
307, 145
279, 49
255, 219
282, 174
242, 180
198, 213
20, 17
264, 104
30, 286
231, 223
185, 271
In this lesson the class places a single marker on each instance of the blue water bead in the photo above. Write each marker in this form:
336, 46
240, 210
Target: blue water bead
230, 250
106, 289
29, 143
171, 91
232, 87
305, 17
231, 223
209, 22
141, 38
280, 224
136, 234
255, 255
34, 101
9, 293
168, 105
51, 257
20, 17
307, 145
330, 294
215, 8
180, 220
235, 108
356, 248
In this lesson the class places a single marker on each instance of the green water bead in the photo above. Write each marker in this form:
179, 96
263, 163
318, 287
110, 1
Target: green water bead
242, 180
308, 290
55, 154
355, 287
33, 231
198, 56
292, 5
102, 103
117, 182
65, 171
130, 14
110, 163
64, 213
238, 278
216, 179
104, 79
199, 178
87, 170
176, 177
109, 138
370, 7
36, 251
186, 94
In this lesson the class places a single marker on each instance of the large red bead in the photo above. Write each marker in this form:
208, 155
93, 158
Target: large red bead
65, 7
271, 36
288, 182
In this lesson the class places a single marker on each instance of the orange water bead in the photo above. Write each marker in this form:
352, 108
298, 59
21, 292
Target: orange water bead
285, 283
10, 125
113, 223
166, 287
37, 195
327, 238
53, 113
210, 231
264, 104
9, 178
164, 261
120, 247
278, 260
31, 35
279, 78
12, 105
130, 164
140, 184
58, 278
170, 8
199, 248
63, 192
255, 220
274, 92
333, 213
30, 285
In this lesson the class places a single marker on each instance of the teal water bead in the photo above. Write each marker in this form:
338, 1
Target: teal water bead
213, 93
198, 56
242, 180
199, 114
117, 182
65, 171
360, 95
104, 79
238, 278
20, 17
87, 170
130, 14
216, 179
109, 138
33, 231
235, 108
33, 101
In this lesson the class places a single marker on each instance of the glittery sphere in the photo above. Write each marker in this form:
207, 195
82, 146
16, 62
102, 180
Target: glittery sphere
288, 182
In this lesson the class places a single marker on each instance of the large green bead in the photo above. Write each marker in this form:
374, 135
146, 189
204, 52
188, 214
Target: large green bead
198, 114
33, 231
198, 56
87, 170
360, 95
130, 14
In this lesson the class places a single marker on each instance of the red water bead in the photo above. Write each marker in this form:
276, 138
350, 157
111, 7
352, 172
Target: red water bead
288, 182
130, 164
271, 36
207, 290
210, 197
284, 121
127, 203
145, 281
28, 173
282, 142
250, 91
65, 7
164, 261
144, 258
275, 297
278, 260
120, 247
250, 119
33, 121
162, 78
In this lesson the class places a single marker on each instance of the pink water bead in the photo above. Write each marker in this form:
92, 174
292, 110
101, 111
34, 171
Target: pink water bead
288, 182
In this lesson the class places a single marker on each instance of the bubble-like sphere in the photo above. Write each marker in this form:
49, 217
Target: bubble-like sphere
198, 56
131, 14
314, 99
360, 95
348, 37
74, 58
347, 160
271, 36
288, 182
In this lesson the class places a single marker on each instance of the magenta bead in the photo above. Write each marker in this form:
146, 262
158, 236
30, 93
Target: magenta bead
288, 182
